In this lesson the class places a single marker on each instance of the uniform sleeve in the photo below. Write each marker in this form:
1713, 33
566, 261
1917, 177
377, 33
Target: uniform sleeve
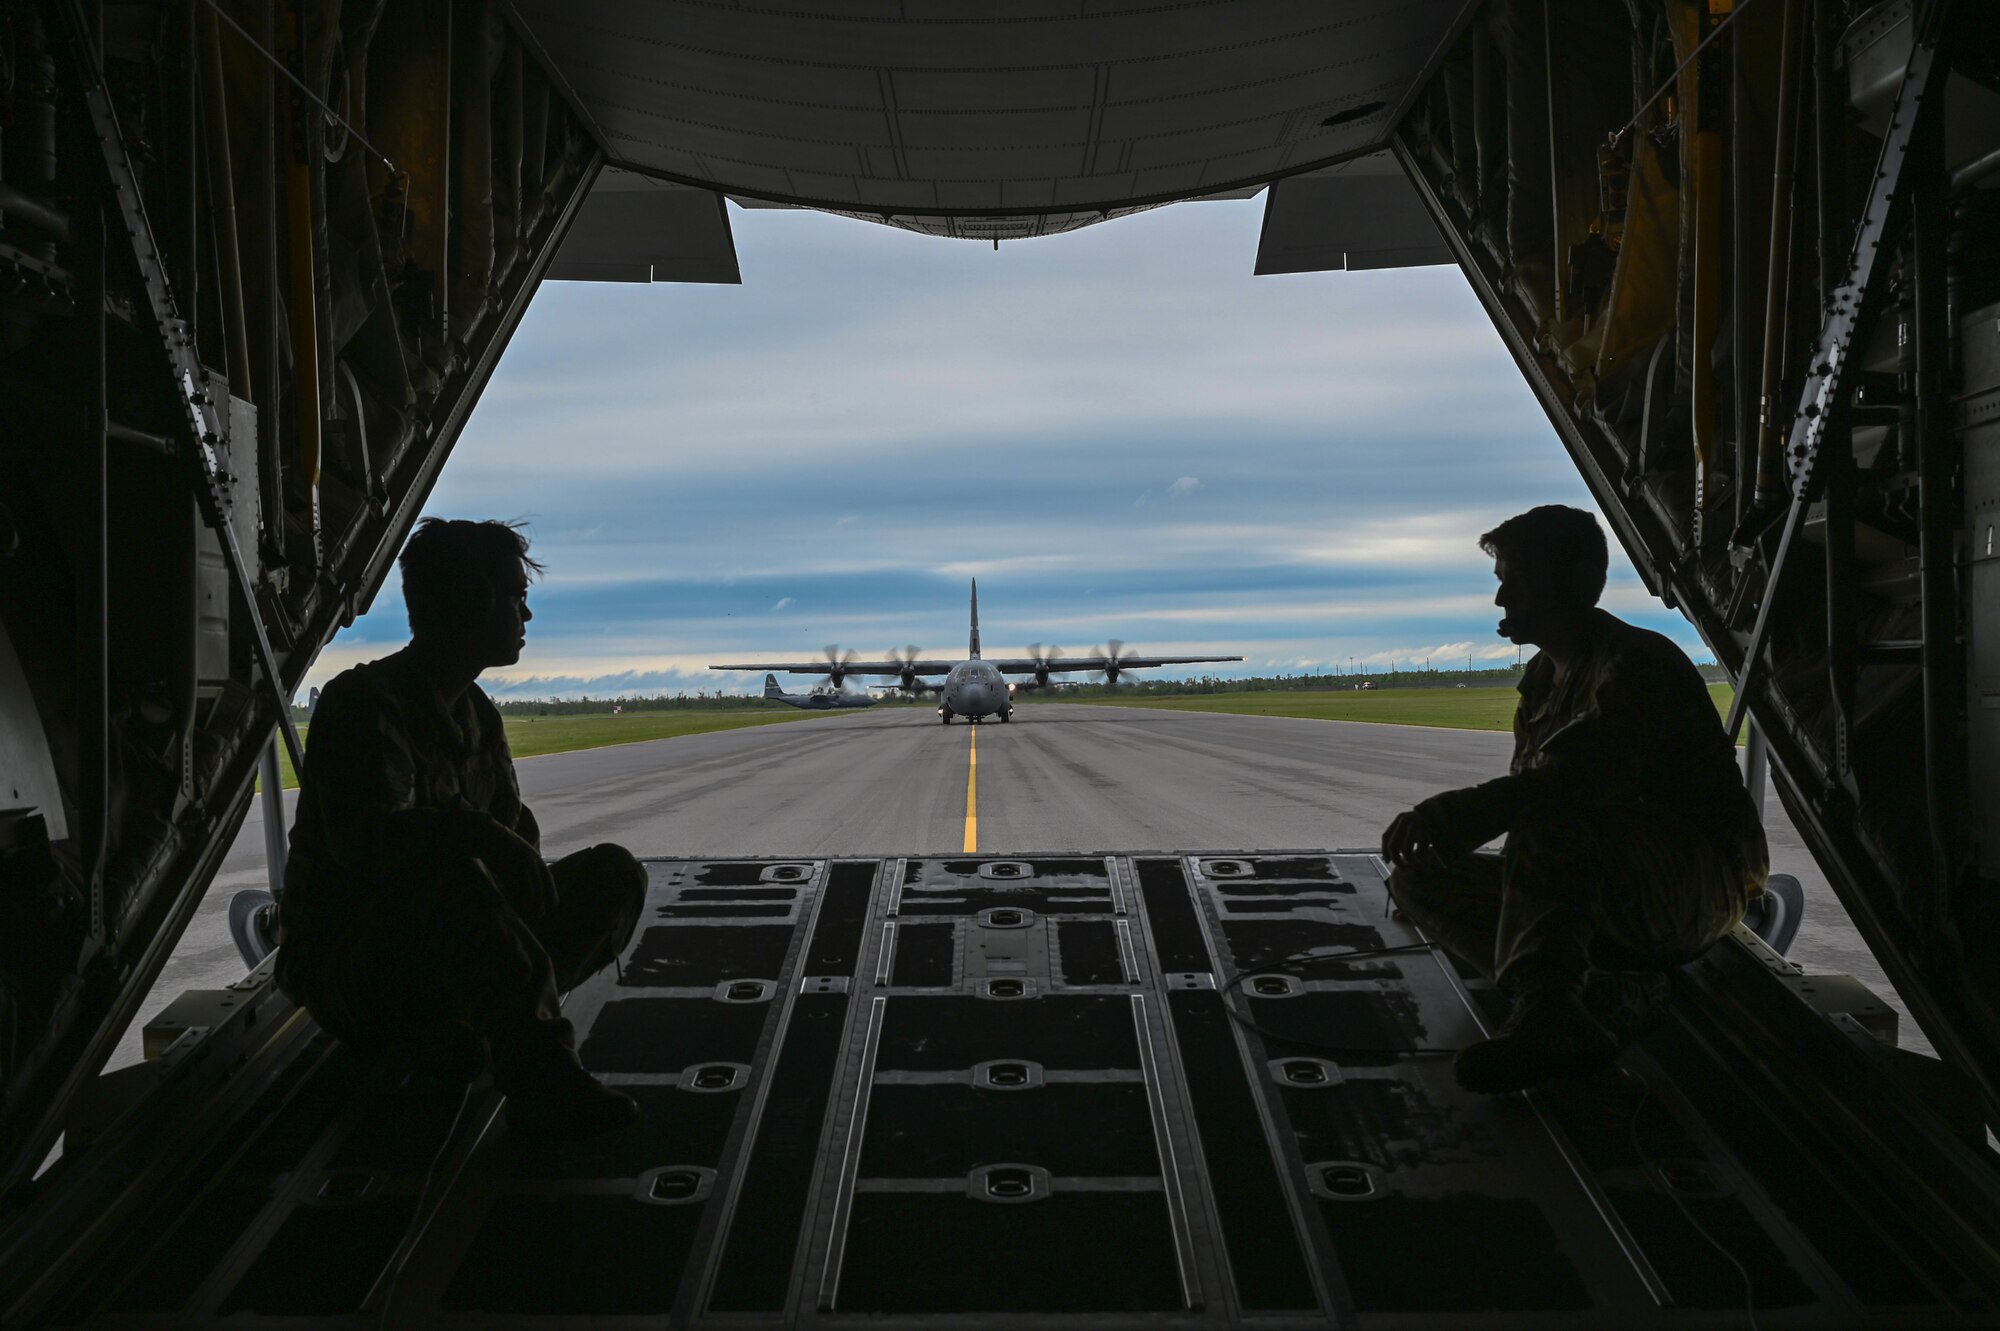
506, 808
1593, 759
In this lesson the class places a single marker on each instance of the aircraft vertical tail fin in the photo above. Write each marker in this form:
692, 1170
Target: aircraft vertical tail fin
973, 648
771, 689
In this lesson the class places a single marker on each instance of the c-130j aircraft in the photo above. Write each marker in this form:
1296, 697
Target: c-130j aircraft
974, 688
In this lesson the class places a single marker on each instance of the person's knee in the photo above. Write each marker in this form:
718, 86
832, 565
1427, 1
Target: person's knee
616, 878
620, 866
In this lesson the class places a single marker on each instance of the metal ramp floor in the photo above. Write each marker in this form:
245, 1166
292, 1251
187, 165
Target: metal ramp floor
1112, 1089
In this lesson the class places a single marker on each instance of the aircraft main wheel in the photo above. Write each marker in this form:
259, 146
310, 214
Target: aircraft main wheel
253, 924
944, 715
1005, 717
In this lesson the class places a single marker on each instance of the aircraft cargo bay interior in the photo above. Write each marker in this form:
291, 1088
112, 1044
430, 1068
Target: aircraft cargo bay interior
259, 260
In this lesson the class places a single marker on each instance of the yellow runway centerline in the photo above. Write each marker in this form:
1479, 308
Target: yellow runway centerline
972, 793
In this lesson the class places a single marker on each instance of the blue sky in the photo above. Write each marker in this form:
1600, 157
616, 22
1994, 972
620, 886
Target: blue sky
1120, 432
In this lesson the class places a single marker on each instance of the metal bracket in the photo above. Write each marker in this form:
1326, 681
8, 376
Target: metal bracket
184, 367
1851, 309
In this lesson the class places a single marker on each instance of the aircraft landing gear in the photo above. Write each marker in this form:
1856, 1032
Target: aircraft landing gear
944, 715
1006, 716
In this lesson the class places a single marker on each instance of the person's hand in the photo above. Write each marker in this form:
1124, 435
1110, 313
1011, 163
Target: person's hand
1418, 837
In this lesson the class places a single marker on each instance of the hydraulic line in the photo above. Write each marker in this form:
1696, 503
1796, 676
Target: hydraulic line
1777, 283
304, 290
222, 200
1705, 150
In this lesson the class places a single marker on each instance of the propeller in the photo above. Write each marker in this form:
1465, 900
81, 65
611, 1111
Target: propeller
837, 663
1117, 657
1043, 661
906, 678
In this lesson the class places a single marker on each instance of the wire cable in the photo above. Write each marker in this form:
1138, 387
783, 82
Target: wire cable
1672, 78
298, 83
420, 1218
1673, 1194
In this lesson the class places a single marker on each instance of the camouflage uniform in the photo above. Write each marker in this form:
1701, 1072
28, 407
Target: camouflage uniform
1627, 824
391, 917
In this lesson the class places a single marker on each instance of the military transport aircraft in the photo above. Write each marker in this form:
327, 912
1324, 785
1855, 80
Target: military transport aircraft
816, 699
974, 688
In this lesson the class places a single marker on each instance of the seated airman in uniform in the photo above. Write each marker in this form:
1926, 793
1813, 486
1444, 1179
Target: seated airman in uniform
1630, 837
418, 909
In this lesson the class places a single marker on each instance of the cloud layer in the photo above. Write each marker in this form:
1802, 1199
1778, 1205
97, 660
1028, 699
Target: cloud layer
1120, 432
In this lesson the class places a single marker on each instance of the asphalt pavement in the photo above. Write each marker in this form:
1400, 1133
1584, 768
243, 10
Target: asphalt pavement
893, 781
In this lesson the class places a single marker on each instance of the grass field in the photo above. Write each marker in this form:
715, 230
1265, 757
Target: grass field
1456, 709
532, 735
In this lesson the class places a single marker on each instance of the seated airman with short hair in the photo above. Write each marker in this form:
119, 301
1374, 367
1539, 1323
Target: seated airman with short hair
418, 908
1631, 841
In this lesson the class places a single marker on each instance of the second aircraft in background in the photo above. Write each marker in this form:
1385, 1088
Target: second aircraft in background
974, 688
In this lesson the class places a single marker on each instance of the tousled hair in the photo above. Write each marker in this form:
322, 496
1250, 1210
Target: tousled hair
451, 565
1565, 542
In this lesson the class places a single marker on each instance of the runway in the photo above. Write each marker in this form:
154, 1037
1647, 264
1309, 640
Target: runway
1058, 777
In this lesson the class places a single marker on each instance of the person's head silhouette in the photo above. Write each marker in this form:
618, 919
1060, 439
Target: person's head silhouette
466, 587
1551, 562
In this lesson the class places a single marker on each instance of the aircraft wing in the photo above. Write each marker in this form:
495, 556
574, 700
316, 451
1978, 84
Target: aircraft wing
822, 667
1028, 665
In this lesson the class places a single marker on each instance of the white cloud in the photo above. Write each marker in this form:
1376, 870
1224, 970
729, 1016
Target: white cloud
887, 345
822, 453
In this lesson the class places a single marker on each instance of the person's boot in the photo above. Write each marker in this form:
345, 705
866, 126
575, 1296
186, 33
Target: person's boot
1626, 1003
1549, 1034
550, 1098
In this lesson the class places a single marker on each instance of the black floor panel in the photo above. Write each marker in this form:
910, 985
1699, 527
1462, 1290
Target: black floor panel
1456, 1253
1083, 1130
666, 956
1089, 951
675, 1127
1065, 1031
1085, 1252
669, 1034
575, 1257
924, 954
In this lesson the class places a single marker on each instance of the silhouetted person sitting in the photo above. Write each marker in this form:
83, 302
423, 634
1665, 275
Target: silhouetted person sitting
418, 909
1629, 832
